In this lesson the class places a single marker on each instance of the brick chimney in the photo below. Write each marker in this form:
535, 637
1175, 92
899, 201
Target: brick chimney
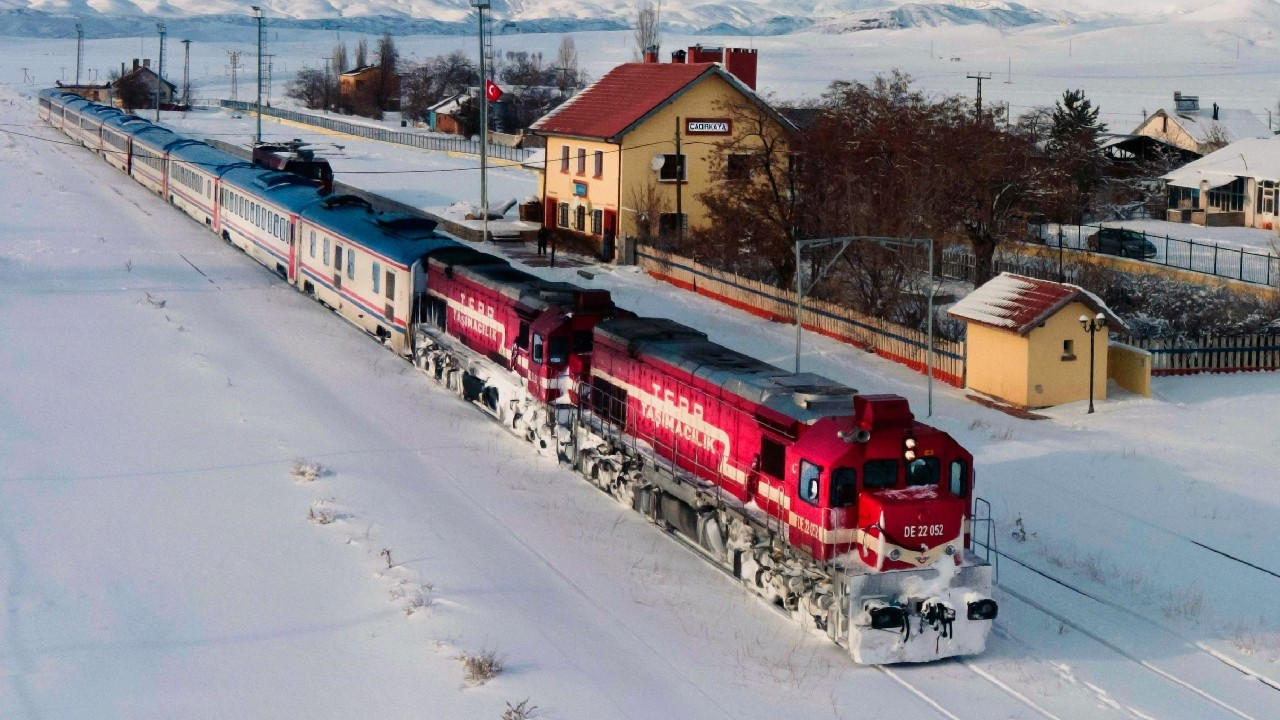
738, 62
651, 55
146, 62
135, 63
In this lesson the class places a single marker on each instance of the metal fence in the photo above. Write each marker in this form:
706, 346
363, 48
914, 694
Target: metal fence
425, 141
904, 345
1211, 354
1196, 256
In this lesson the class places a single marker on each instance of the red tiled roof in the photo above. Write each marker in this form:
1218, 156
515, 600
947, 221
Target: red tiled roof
616, 101
1019, 304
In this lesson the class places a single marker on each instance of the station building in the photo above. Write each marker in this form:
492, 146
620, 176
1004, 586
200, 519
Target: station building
611, 158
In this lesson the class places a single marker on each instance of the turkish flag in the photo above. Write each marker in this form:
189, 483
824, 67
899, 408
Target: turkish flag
491, 91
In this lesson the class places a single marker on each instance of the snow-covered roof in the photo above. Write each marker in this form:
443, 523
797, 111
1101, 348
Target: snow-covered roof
1019, 304
1235, 123
1253, 158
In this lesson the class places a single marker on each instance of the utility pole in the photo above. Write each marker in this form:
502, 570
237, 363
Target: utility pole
79, 51
325, 62
482, 10
979, 77
186, 72
679, 189
160, 70
257, 15
270, 66
235, 66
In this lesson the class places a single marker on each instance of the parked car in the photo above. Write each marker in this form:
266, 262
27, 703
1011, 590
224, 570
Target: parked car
1125, 243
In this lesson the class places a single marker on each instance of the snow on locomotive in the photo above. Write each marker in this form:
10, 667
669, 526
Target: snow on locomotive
840, 507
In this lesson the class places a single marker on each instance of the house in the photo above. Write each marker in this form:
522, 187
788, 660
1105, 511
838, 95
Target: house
446, 116
1189, 127
1026, 345
96, 93
612, 163
365, 83
1238, 186
149, 79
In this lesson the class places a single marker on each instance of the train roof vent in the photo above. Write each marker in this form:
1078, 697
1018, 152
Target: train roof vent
408, 225
334, 202
275, 180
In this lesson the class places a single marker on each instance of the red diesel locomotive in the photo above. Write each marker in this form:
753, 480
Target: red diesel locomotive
800, 486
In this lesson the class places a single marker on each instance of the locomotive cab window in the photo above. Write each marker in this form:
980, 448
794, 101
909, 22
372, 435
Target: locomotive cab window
959, 484
844, 487
537, 348
880, 473
522, 336
773, 457
809, 482
584, 341
924, 471
558, 349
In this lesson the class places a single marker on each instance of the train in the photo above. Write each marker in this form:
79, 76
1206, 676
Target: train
841, 509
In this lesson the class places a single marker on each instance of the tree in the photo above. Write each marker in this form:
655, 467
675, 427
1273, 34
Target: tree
568, 76
754, 210
362, 53
309, 88
1073, 147
388, 93
339, 59
646, 30
436, 79
523, 68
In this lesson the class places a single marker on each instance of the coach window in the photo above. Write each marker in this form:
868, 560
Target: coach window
924, 471
313, 244
391, 285
844, 487
326, 252
351, 264
879, 474
377, 278
959, 476
809, 475
337, 258
537, 348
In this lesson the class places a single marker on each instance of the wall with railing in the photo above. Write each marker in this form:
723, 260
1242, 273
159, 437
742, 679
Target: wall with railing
904, 345
425, 141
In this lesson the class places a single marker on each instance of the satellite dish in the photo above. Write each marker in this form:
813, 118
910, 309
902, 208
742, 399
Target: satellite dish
657, 162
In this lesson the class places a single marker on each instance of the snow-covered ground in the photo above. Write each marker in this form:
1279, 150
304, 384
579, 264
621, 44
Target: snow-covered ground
159, 562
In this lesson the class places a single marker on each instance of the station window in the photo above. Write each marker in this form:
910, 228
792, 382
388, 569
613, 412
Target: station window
580, 219
597, 222
599, 162
673, 169
809, 485
1068, 349
564, 215
582, 161
564, 158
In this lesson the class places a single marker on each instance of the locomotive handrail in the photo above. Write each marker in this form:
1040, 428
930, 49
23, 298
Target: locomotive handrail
990, 545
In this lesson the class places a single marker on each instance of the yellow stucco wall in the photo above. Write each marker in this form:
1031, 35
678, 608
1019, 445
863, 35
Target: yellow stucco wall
633, 160
1130, 367
1055, 378
997, 363
1175, 134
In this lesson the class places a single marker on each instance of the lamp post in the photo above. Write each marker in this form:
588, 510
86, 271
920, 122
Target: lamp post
482, 6
257, 15
844, 243
159, 69
1093, 326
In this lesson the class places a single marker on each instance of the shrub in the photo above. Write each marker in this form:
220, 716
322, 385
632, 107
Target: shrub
481, 667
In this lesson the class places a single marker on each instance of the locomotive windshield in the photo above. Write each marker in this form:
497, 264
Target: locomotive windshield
880, 474
924, 471
558, 350
844, 487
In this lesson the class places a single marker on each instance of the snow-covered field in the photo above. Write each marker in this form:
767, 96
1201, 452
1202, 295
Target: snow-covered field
156, 387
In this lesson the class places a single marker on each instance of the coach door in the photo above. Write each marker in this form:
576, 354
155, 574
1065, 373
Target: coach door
293, 247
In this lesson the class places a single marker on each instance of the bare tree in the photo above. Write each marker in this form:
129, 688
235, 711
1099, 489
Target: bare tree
362, 53
646, 30
567, 73
133, 91
309, 88
436, 79
339, 59
1216, 138
388, 94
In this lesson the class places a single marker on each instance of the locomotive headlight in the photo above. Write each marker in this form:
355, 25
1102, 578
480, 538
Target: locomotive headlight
910, 455
983, 610
950, 549
909, 449
894, 554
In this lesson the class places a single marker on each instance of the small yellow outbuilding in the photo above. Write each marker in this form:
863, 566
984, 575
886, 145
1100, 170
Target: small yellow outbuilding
1027, 344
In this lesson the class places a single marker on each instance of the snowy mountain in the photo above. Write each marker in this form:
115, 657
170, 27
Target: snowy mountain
108, 18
